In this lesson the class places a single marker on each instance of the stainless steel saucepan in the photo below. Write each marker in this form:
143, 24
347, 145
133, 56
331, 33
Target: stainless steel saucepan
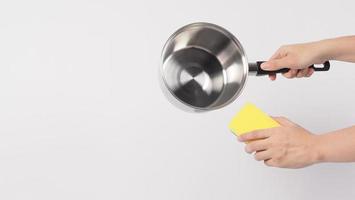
204, 67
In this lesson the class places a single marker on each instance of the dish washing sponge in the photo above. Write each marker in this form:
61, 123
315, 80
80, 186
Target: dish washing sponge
250, 118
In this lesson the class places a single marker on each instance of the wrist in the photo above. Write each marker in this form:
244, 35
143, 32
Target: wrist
329, 49
317, 150
323, 51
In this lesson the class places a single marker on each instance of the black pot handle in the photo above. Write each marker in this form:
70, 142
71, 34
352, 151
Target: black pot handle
261, 72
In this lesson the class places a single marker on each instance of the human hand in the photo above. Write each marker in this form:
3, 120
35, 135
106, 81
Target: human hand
288, 146
297, 58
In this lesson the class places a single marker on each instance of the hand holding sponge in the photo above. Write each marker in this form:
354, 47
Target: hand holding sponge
250, 118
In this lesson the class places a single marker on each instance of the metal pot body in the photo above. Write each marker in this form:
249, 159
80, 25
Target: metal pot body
204, 67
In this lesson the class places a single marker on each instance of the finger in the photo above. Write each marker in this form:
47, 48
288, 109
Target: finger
254, 135
276, 55
272, 77
302, 73
263, 155
291, 73
283, 121
270, 163
258, 145
276, 64
310, 72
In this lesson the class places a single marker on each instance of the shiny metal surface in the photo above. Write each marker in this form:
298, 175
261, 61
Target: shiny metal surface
204, 67
253, 68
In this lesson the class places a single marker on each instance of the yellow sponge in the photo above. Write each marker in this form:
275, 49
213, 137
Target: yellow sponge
251, 118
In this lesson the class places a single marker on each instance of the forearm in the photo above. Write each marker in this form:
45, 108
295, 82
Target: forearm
337, 146
341, 48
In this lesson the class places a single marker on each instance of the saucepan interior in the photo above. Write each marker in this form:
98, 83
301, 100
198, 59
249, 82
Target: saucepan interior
204, 67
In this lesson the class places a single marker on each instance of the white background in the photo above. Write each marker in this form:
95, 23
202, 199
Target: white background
82, 115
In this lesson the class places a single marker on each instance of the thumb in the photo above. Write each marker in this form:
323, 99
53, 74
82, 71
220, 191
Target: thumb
275, 64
